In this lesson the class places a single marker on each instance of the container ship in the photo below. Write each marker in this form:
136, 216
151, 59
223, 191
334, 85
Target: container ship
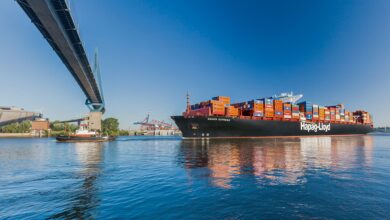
279, 115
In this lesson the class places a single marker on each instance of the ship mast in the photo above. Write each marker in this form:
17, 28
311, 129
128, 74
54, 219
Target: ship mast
188, 109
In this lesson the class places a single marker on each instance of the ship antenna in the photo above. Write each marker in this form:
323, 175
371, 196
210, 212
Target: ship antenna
188, 102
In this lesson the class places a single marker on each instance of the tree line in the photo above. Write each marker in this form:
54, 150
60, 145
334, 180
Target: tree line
110, 126
17, 127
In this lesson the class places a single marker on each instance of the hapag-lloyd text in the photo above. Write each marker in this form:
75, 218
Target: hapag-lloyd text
315, 127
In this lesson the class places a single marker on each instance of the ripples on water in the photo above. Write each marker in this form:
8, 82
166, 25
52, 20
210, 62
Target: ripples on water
168, 178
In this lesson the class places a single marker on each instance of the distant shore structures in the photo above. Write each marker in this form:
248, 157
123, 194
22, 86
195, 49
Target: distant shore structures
12, 114
155, 127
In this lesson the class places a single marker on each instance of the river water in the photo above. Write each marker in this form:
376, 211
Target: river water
168, 178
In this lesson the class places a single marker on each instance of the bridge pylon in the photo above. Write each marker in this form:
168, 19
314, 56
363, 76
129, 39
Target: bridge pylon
99, 106
95, 121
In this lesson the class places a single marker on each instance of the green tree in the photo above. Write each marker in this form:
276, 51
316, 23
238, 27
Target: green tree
124, 133
57, 126
71, 127
24, 127
21, 127
110, 126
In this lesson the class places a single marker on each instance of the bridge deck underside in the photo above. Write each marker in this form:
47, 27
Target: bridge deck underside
54, 21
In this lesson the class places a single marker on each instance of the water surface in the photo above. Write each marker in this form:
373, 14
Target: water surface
168, 178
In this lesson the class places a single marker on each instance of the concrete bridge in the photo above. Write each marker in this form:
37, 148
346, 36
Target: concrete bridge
55, 22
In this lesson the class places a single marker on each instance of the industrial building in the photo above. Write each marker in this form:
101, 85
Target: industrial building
10, 115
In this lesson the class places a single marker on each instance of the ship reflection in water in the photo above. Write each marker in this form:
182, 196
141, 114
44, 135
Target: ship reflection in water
273, 161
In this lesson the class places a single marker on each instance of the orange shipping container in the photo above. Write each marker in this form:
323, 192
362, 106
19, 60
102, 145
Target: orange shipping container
258, 107
322, 114
217, 108
216, 102
269, 113
232, 111
351, 118
278, 105
224, 99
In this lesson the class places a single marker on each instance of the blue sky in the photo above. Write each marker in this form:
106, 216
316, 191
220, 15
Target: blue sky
152, 52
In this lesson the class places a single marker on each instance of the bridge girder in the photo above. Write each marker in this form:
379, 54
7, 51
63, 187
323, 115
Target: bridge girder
54, 21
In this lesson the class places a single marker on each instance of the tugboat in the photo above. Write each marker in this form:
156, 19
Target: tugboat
84, 135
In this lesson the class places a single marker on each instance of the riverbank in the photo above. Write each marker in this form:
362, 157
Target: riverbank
19, 135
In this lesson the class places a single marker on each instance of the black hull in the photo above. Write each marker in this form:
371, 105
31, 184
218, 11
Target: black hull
199, 127
83, 139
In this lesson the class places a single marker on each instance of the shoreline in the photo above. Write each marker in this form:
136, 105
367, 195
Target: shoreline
20, 135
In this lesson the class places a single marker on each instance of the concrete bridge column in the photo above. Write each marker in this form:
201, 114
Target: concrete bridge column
95, 121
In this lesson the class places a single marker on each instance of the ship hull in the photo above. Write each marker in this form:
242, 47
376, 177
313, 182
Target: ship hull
62, 138
202, 127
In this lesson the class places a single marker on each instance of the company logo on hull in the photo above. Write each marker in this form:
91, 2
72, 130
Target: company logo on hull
315, 127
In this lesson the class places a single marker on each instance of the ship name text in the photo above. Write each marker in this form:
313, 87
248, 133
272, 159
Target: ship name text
218, 119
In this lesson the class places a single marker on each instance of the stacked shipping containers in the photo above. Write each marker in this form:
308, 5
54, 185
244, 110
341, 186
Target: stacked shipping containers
342, 114
307, 109
346, 116
270, 108
224, 99
295, 111
315, 112
327, 114
287, 114
332, 113
337, 113
257, 107
231, 111
218, 104
351, 118
321, 114
278, 108
362, 116
217, 107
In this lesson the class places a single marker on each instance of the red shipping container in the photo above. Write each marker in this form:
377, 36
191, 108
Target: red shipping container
199, 112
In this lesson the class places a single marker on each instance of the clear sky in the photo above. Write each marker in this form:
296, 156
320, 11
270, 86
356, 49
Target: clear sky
152, 52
